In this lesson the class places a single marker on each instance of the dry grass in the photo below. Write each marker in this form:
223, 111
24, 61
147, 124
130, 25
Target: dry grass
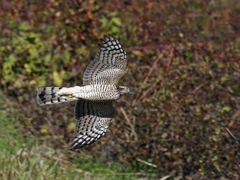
25, 157
183, 59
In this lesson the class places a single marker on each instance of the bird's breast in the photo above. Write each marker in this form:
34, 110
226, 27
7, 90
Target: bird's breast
98, 92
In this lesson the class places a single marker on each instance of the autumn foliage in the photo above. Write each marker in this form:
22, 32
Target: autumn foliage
183, 59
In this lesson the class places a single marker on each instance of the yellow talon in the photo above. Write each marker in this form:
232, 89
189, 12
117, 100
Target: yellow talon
70, 95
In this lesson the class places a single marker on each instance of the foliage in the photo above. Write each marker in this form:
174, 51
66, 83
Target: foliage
29, 157
183, 66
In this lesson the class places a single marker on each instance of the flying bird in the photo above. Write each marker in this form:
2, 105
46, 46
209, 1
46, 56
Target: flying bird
94, 110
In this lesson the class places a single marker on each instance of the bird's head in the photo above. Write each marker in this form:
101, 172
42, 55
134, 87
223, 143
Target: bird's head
124, 90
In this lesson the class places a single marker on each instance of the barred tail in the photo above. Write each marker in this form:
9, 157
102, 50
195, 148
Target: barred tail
47, 95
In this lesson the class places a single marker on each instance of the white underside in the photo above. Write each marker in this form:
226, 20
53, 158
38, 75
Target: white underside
91, 92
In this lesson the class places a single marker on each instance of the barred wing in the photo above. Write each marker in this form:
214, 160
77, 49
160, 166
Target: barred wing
92, 121
109, 64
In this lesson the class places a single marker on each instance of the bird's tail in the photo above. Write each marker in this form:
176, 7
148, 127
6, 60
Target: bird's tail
47, 95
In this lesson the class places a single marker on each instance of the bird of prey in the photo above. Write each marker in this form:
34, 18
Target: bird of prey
93, 110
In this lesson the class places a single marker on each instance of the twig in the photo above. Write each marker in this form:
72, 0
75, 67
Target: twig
235, 114
165, 177
197, 88
130, 124
238, 164
230, 133
150, 71
72, 76
149, 89
146, 78
120, 174
169, 59
147, 163
149, 47
148, 60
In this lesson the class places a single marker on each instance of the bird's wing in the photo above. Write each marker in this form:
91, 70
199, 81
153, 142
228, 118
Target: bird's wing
109, 64
92, 121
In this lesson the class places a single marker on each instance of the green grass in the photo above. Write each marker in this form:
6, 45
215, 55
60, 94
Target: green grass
24, 157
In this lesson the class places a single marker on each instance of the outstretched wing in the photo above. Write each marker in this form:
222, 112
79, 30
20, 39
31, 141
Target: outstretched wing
92, 121
109, 64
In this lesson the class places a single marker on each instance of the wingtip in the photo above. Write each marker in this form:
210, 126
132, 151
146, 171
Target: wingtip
72, 149
102, 40
74, 146
115, 39
106, 38
110, 36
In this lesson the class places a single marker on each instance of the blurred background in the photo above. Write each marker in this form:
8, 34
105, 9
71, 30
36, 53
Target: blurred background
183, 58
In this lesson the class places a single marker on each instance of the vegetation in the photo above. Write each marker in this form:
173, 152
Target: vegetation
183, 66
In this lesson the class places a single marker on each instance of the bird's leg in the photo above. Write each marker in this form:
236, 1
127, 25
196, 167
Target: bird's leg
69, 92
70, 95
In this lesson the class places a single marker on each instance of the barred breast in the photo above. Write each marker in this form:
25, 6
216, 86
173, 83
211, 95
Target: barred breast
98, 92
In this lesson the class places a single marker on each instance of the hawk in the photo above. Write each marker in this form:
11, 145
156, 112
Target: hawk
93, 110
